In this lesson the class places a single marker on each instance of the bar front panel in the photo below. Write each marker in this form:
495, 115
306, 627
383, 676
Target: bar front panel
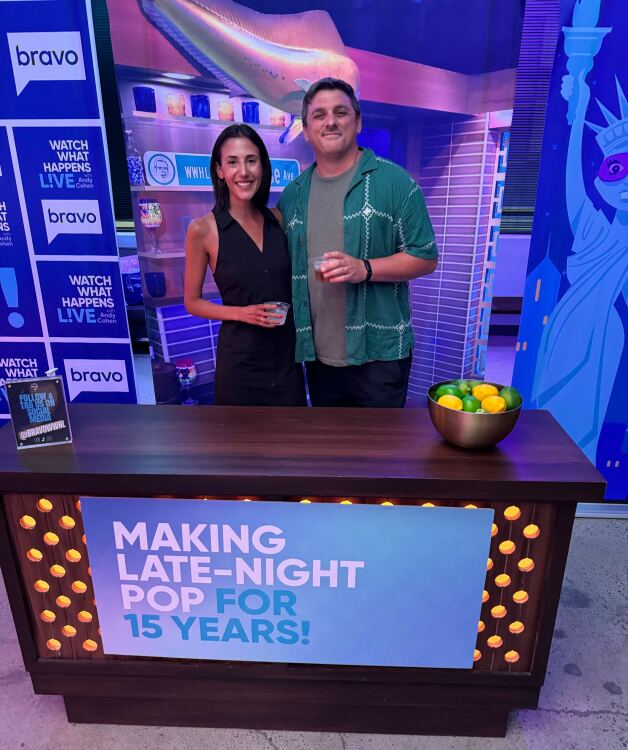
52, 557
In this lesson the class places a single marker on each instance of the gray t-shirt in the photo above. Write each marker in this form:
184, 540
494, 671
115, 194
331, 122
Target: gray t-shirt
325, 232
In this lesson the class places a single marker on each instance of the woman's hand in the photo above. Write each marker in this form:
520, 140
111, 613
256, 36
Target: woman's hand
263, 315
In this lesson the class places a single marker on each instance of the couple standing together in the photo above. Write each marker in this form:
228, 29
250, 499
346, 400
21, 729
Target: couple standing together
365, 215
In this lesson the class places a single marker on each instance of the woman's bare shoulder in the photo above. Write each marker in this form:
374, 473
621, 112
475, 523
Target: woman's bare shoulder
202, 227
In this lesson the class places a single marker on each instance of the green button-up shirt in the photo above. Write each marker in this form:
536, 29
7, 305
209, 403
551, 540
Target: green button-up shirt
384, 213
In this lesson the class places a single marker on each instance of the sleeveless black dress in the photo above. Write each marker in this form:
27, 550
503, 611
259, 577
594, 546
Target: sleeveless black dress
255, 366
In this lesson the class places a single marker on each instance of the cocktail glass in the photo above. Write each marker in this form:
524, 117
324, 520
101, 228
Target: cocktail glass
151, 217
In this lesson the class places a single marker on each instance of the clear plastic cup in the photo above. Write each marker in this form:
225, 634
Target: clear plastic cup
281, 308
317, 263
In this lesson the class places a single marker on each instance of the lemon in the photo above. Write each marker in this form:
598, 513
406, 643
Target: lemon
448, 389
484, 390
470, 403
494, 404
451, 402
511, 396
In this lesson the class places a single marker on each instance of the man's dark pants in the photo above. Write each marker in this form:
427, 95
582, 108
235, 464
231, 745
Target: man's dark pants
373, 384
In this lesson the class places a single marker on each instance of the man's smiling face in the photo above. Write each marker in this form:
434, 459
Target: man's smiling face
332, 124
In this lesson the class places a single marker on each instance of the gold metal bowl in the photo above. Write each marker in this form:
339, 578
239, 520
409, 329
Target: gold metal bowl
468, 429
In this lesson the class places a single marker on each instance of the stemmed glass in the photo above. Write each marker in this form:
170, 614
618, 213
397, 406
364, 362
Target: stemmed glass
151, 217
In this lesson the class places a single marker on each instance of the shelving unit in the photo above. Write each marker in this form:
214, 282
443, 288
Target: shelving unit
182, 189
189, 120
162, 256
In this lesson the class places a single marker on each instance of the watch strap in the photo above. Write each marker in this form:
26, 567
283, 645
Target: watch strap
369, 269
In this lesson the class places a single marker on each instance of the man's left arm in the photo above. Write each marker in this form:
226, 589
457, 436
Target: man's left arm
414, 255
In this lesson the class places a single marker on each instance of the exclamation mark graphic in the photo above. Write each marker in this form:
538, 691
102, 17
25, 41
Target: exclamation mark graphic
8, 284
305, 627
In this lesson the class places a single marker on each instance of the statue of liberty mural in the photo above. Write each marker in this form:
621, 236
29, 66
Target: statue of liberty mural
584, 337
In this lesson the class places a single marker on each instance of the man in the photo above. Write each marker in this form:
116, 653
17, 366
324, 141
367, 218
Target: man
367, 217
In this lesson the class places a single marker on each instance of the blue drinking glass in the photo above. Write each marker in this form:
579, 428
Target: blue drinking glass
200, 105
156, 284
250, 112
144, 97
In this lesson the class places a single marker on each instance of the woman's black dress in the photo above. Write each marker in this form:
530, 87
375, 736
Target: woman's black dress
255, 366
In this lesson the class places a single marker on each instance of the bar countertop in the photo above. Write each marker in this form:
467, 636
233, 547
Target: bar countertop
170, 450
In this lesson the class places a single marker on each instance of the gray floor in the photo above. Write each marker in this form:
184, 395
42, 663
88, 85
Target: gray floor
583, 706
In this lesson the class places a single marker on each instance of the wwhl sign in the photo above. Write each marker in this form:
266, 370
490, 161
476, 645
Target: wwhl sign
46, 56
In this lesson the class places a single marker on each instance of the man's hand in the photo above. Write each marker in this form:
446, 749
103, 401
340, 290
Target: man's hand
342, 268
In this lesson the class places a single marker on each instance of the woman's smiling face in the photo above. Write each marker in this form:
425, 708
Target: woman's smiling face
240, 167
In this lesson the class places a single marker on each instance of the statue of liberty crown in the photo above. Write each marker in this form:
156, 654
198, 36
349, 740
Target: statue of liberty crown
614, 138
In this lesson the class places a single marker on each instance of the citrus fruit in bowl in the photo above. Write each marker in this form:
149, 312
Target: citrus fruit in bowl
473, 414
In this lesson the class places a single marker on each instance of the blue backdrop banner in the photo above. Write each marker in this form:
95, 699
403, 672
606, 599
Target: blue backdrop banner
571, 354
61, 298
288, 582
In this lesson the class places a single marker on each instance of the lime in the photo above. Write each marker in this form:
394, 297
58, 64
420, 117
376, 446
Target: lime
511, 396
463, 386
448, 389
451, 402
470, 403
481, 411
473, 383
494, 404
484, 390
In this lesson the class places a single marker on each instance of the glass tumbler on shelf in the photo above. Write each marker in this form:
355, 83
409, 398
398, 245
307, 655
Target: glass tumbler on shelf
151, 218
277, 118
225, 110
200, 106
144, 99
176, 105
133, 161
250, 112
188, 375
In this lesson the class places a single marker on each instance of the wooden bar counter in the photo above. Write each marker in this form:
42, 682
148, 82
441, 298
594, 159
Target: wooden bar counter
532, 480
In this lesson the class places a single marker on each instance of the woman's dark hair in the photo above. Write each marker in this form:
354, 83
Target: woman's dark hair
329, 84
221, 191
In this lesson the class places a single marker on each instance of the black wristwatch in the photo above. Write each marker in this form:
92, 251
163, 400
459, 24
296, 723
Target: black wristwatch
369, 269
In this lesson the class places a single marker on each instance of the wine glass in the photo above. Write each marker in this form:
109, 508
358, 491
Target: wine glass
151, 218
187, 375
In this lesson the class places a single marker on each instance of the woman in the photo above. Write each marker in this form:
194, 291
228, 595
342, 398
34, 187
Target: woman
242, 242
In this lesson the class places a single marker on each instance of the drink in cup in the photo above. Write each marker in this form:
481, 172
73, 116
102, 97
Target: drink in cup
281, 308
317, 263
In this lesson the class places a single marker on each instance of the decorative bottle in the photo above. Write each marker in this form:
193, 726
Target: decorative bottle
134, 161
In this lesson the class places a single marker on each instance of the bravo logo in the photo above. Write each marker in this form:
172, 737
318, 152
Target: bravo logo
46, 56
95, 376
71, 217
